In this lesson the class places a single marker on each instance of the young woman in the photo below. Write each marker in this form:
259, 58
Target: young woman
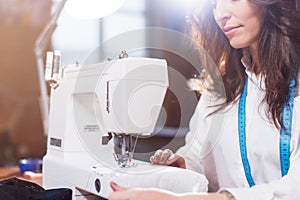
246, 141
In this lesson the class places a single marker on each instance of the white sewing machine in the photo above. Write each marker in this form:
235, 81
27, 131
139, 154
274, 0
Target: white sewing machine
94, 112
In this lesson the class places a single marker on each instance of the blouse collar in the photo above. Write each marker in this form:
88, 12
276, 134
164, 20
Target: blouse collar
246, 60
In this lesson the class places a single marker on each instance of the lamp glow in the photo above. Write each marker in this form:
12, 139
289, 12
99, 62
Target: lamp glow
92, 9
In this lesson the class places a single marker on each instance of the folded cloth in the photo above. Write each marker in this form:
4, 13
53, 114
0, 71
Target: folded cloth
17, 189
173, 179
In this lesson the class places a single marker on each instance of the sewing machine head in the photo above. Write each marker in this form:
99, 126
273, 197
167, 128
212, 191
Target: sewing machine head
108, 102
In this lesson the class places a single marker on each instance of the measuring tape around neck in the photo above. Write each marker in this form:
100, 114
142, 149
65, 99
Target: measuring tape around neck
285, 131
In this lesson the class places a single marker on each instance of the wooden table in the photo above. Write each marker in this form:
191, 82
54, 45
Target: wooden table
14, 171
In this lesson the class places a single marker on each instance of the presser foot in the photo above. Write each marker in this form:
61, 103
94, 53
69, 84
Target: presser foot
125, 160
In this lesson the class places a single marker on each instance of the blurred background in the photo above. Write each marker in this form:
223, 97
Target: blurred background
21, 21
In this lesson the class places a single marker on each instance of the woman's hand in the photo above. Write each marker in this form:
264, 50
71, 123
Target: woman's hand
121, 193
167, 157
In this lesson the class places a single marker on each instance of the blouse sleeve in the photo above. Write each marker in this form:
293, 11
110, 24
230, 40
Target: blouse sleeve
195, 138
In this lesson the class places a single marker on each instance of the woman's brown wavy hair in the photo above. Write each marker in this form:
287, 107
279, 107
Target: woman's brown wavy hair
278, 51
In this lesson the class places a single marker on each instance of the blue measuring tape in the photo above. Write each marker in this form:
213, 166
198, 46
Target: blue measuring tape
285, 131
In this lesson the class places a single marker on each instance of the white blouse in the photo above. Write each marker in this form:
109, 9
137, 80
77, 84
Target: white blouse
212, 148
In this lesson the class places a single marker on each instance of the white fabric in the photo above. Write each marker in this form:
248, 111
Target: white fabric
172, 179
212, 148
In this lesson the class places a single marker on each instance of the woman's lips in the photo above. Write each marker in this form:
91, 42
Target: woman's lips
229, 30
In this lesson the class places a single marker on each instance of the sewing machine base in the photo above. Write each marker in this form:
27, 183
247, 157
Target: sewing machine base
91, 180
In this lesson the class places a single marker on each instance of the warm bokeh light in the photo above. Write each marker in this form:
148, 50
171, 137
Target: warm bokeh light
92, 9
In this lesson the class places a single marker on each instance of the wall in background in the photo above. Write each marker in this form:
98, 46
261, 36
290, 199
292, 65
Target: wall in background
21, 133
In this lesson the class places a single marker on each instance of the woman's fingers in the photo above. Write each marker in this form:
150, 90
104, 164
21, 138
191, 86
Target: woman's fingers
116, 187
155, 158
172, 158
165, 155
161, 157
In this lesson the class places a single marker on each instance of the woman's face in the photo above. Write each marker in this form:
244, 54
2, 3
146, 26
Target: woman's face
240, 21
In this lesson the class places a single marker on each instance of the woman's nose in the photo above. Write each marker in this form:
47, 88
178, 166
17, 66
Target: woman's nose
222, 11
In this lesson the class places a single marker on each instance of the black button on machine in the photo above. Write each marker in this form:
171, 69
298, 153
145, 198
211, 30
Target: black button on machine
97, 185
